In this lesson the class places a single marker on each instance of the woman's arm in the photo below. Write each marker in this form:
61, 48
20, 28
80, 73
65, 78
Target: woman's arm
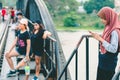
110, 47
113, 45
28, 47
46, 34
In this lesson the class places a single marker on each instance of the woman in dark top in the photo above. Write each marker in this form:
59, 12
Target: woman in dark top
109, 43
37, 40
23, 48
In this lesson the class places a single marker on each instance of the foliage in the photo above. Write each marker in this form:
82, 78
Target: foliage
92, 5
71, 17
70, 21
83, 21
89, 7
61, 7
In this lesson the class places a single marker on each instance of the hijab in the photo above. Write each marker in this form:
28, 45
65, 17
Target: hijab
111, 17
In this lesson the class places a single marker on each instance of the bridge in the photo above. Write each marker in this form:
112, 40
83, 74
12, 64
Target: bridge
54, 64
53, 61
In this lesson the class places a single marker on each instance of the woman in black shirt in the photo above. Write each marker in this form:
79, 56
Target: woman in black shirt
39, 34
23, 47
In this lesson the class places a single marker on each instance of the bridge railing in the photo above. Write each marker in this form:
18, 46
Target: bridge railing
63, 74
3, 36
49, 56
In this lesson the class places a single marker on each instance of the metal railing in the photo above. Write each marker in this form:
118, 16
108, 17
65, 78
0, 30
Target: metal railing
75, 53
3, 36
50, 59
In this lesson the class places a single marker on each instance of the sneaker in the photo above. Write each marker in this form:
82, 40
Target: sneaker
35, 78
12, 73
17, 72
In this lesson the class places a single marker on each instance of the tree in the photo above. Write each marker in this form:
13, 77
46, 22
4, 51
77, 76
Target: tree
89, 7
97, 5
61, 7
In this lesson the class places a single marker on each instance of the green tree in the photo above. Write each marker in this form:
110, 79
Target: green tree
60, 7
97, 5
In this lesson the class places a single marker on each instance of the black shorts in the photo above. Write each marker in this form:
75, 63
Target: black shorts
12, 17
22, 52
38, 53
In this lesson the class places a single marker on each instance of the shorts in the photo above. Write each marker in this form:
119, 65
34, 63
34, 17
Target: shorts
12, 17
23, 52
38, 53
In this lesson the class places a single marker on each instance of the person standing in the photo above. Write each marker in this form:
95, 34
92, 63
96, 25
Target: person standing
16, 14
19, 17
3, 13
37, 41
23, 48
109, 43
12, 14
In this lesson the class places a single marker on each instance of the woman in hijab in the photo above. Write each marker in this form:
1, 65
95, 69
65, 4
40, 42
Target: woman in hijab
109, 43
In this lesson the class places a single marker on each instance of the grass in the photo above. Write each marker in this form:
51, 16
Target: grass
74, 28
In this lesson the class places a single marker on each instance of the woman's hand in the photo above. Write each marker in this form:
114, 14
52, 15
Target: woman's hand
97, 36
8, 52
27, 58
46, 34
